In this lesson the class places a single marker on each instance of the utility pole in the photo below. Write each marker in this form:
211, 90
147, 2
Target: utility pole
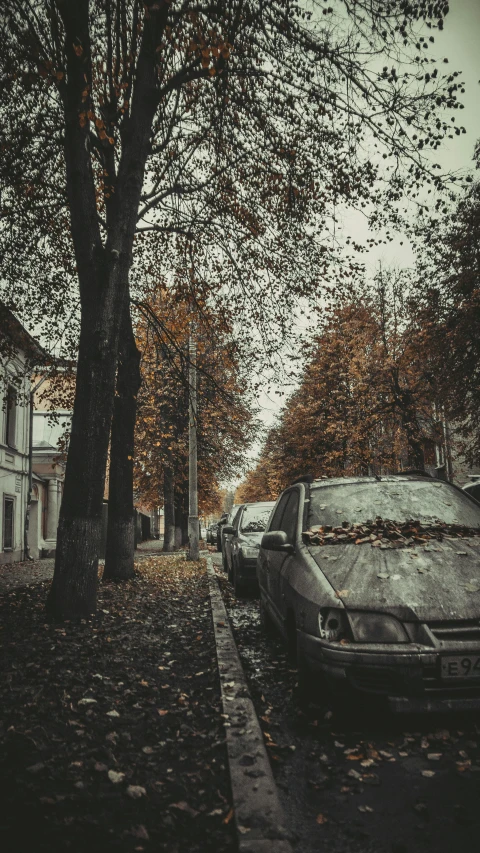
192, 451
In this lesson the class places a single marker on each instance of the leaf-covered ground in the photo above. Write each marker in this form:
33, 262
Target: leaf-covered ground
111, 735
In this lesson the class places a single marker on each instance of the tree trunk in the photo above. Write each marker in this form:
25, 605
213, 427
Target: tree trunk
168, 509
181, 518
103, 269
119, 558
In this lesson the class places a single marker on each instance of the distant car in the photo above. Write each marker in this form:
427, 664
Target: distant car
390, 612
241, 547
227, 523
212, 533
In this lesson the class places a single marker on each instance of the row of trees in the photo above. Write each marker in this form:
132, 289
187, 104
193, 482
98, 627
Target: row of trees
237, 127
392, 363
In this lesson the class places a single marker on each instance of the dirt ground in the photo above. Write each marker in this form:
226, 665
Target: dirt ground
111, 734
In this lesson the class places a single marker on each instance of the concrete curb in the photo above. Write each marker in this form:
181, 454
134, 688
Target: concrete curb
259, 817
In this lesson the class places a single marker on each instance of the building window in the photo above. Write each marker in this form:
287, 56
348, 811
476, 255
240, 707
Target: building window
11, 416
8, 524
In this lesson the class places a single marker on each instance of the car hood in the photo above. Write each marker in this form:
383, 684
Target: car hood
435, 582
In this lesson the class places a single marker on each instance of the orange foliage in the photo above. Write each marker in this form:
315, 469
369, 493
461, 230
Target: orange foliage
225, 422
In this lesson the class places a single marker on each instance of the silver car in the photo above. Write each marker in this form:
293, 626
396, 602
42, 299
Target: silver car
375, 585
242, 540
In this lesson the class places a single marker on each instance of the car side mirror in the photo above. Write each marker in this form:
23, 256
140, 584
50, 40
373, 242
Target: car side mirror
277, 540
228, 529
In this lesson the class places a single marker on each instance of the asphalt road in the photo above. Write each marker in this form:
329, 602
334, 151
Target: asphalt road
360, 779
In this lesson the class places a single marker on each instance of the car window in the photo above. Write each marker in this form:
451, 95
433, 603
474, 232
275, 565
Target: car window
233, 514
236, 516
255, 518
399, 500
289, 519
277, 516
474, 491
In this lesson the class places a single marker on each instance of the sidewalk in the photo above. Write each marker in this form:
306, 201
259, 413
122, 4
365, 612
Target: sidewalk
13, 575
111, 730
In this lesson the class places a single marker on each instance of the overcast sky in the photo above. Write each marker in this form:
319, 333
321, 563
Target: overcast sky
460, 43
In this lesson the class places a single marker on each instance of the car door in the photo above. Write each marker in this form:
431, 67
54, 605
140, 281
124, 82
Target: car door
264, 557
279, 562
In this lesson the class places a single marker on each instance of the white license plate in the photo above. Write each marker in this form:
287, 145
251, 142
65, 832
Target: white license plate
461, 666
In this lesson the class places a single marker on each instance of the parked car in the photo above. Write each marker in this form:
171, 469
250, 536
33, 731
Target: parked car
242, 541
212, 533
390, 612
224, 535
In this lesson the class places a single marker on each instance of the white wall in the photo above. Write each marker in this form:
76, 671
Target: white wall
14, 459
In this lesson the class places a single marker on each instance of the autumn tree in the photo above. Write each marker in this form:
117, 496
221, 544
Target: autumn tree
225, 423
448, 288
124, 120
368, 398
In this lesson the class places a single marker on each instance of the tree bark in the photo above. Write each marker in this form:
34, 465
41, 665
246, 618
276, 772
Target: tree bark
169, 509
181, 518
119, 558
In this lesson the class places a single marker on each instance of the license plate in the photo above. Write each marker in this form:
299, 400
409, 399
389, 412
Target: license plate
461, 666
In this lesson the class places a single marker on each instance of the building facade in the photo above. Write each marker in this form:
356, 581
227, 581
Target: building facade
19, 352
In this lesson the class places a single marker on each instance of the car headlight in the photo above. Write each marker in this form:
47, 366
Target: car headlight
377, 628
248, 553
332, 624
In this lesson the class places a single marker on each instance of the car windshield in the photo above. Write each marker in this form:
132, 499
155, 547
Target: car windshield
399, 501
255, 518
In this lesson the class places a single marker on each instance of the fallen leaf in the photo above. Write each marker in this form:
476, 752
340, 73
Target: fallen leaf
383, 576
115, 777
140, 832
87, 701
428, 773
364, 808
321, 819
35, 768
228, 817
434, 756
162, 712
136, 791
113, 713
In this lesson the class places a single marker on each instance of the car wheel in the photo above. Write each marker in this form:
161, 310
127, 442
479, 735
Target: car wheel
224, 562
266, 623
